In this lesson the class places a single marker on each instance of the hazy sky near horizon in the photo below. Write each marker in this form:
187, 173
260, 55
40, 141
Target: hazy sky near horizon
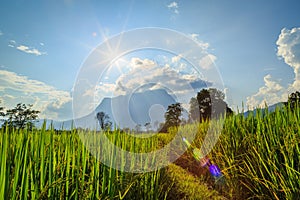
254, 44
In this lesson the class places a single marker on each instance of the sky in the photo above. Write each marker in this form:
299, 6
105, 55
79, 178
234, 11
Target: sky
44, 45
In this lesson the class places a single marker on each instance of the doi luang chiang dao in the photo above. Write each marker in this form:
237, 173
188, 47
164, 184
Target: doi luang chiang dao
150, 99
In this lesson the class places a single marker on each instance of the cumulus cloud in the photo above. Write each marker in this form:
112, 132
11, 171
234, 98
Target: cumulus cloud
195, 37
30, 50
53, 103
207, 62
176, 59
288, 49
288, 46
145, 74
270, 93
174, 7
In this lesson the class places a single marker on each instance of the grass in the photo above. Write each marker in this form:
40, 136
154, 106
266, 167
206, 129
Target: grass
41, 164
258, 154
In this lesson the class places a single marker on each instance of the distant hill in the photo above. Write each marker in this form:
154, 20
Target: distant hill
139, 108
125, 111
270, 109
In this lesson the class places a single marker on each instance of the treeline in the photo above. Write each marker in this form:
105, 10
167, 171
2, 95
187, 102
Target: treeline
207, 104
21, 116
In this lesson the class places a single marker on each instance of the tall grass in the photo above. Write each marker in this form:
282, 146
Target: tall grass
42, 164
259, 156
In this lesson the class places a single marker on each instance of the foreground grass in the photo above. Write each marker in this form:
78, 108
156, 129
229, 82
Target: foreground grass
258, 154
259, 157
42, 164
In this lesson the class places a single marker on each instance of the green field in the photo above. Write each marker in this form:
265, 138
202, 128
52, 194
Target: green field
259, 156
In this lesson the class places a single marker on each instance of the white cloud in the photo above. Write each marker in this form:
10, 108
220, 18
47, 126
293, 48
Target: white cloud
12, 43
288, 48
1, 33
207, 62
174, 7
137, 63
176, 59
42, 44
270, 93
145, 74
30, 50
53, 103
195, 37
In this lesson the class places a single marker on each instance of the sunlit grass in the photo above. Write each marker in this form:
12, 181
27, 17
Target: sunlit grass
41, 164
259, 156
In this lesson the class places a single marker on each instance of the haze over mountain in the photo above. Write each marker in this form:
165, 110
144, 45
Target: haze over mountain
126, 110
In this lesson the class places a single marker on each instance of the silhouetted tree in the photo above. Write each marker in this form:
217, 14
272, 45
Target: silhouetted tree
207, 104
172, 115
104, 122
294, 99
2, 114
21, 116
147, 126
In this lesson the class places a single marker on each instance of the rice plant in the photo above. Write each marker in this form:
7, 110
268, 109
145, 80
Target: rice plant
42, 164
258, 154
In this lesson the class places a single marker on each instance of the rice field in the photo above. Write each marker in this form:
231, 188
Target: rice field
259, 156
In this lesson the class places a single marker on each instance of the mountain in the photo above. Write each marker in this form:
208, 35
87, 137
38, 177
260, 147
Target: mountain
124, 111
271, 108
138, 108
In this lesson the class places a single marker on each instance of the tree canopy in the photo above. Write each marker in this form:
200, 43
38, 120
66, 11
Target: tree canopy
294, 99
104, 122
172, 115
2, 114
209, 103
21, 116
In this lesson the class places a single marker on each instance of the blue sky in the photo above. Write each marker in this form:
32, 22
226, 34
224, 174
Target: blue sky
255, 45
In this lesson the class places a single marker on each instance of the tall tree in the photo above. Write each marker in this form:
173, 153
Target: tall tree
172, 115
209, 103
294, 99
2, 114
104, 121
21, 116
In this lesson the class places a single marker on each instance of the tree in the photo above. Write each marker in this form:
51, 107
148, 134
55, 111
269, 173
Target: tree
147, 126
209, 103
104, 122
2, 114
172, 115
21, 116
294, 99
